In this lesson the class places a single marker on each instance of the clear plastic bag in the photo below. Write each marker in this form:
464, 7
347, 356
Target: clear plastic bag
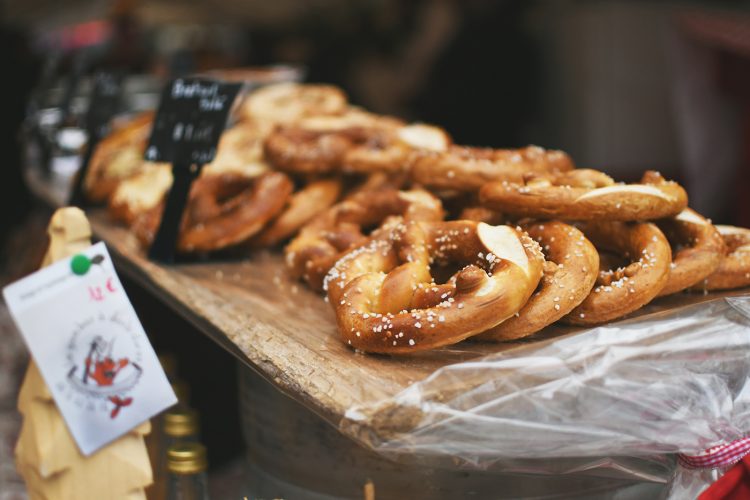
669, 382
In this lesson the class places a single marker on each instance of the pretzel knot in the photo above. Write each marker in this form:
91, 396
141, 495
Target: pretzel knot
386, 299
322, 242
468, 168
289, 102
222, 211
586, 194
570, 270
697, 250
734, 269
646, 258
353, 142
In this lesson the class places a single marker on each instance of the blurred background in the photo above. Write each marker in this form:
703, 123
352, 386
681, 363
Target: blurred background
623, 86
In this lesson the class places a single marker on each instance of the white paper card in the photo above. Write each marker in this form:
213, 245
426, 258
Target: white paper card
90, 347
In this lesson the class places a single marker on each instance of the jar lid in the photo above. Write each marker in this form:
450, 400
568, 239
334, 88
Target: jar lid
186, 458
181, 422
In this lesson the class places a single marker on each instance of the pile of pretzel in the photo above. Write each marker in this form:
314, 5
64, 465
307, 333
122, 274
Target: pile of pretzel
417, 242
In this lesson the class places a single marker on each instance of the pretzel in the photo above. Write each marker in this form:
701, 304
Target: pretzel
302, 207
697, 250
321, 243
585, 194
222, 211
117, 157
239, 152
140, 193
468, 169
570, 270
387, 301
394, 150
734, 269
289, 102
319, 145
625, 289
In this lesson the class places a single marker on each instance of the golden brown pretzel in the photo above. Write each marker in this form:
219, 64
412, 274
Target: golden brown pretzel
387, 301
117, 157
734, 269
586, 194
625, 289
318, 145
570, 270
468, 169
697, 250
302, 207
394, 149
289, 102
319, 244
222, 211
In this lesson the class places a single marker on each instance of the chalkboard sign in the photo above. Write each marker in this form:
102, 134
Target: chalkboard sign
192, 115
104, 103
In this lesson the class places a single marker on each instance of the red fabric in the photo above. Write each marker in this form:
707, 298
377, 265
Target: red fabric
733, 485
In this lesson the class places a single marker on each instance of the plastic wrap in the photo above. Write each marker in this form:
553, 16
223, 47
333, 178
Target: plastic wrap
675, 381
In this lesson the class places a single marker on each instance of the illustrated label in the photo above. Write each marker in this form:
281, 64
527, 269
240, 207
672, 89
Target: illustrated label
90, 347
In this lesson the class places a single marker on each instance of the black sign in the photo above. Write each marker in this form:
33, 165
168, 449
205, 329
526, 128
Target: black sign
191, 117
104, 104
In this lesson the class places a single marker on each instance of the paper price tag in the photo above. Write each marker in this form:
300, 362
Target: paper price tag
192, 115
90, 347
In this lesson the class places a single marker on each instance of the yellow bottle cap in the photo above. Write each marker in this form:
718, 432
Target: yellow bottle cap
181, 422
186, 458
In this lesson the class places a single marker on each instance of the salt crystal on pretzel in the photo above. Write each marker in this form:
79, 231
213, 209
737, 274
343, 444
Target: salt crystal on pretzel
586, 194
734, 269
386, 300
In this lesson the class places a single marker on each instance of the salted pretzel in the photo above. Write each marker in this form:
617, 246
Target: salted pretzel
321, 243
302, 207
288, 102
394, 149
222, 211
621, 290
387, 301
734, 269
117, 157
319, 145
570, 270
697, 250
468, 168
586, 194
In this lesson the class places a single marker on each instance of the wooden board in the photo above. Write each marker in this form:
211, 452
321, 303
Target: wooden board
286, 332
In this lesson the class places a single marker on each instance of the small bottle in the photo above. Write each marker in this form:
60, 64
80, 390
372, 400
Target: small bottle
178, 424
186, 464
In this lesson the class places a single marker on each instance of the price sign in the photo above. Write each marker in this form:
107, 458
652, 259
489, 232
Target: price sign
191, 117
104, 103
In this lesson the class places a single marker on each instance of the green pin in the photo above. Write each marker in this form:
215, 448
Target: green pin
80, 264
